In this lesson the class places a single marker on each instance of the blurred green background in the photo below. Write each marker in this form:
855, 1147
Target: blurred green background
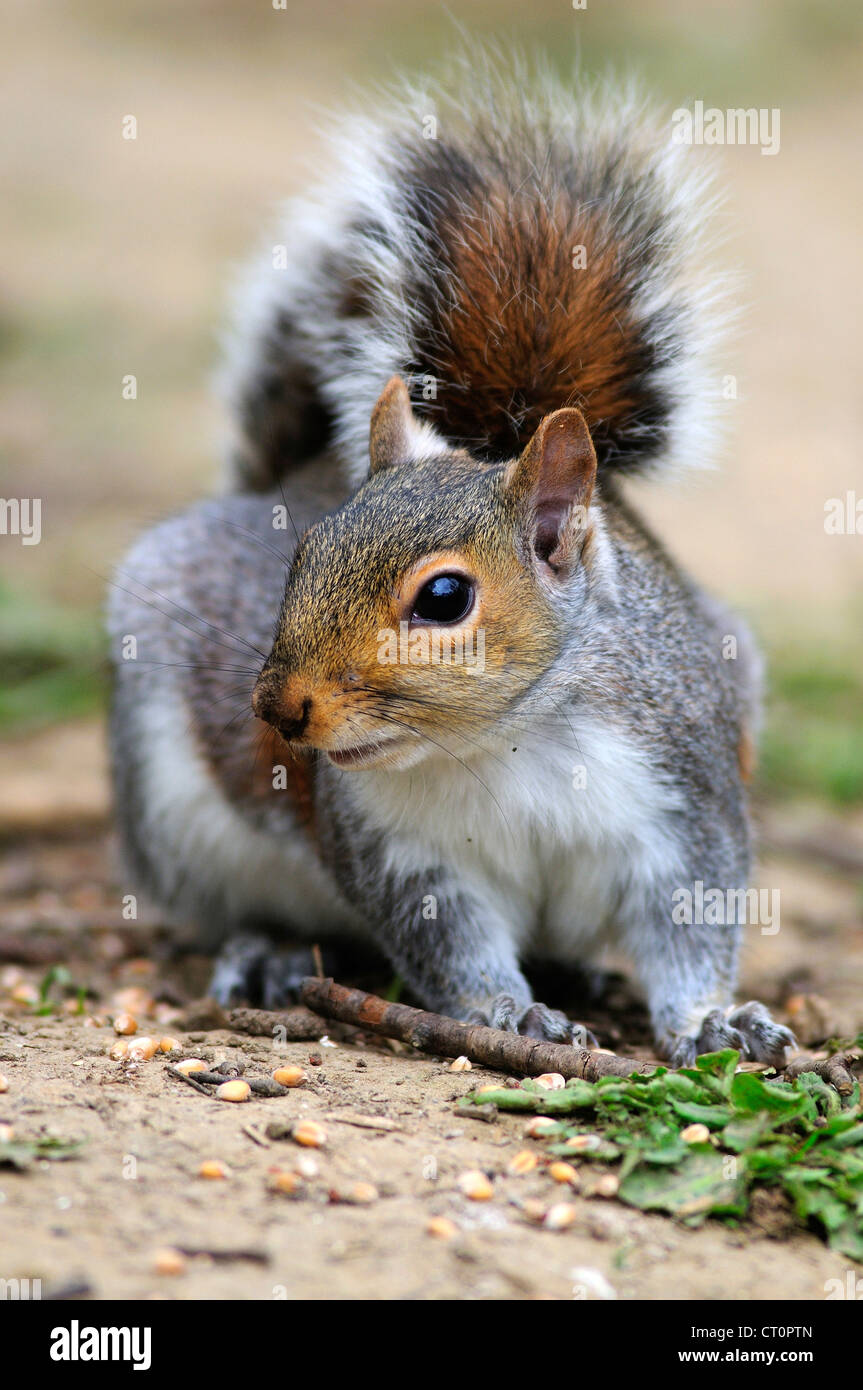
118, 256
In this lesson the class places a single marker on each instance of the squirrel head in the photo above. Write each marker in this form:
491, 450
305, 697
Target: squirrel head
425, 608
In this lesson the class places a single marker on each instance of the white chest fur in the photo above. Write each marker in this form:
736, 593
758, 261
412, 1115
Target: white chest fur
546, 830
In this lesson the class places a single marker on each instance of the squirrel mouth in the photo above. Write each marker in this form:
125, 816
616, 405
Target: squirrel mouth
363, 753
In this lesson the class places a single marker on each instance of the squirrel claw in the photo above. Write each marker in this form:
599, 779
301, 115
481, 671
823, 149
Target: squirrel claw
249, 970
532, 1021
749, 1028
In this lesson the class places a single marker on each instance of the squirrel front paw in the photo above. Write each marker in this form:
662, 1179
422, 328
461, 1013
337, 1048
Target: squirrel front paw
532, 1021
749, 1028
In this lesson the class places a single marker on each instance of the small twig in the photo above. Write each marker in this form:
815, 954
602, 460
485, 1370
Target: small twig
835, 1070
379, 1122
256, 1138
291, 1025
189, 1080
260, 1257
445, 1037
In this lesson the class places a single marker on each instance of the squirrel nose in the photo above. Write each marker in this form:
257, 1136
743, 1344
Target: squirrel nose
293, 719
288, 711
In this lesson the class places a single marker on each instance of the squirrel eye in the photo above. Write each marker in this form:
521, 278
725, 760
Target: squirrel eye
445, 599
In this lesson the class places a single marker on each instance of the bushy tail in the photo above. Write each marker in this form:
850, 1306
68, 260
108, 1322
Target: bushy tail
509, 245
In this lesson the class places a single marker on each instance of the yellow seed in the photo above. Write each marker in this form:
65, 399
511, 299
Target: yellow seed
607, 1186
560, 1216
289, 1076
551, 1081
134, 1000
695, 1134
168, 1044
475, 1185
564, 1172
364, 1193
169, 1261
118, 1050
125, 1024
534, 1210
522, 1162
441, 1227
143, 1049
289, 1183
538, 1126
212, 1168
310, 1134
4, 1084
583, 1143
191, 1065
489, 1086
233, 1090
307, 1166
461, 1064
25, 994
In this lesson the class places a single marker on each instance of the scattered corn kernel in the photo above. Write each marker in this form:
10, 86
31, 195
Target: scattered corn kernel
134, 1000
142, 1049
363, 1193
191, 1065
538, 1126
281, 1181
461, 1064
25, 994
118, 1050
310, 1134
560, 1216
169, 1044
695, 1134
233, 1090
307, 1166
7, 1134
583, 1143
475, 1185
4, 1084
289, 1076
169, 1261
534, 1210
607, 1186
441, 1227
564, 1172
551, 1081
125, 1024
522, 1162
212, 1168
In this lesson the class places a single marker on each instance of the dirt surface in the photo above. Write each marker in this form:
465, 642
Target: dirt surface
96, 1221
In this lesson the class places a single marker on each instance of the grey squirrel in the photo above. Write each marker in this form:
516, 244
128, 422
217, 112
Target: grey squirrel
465, 708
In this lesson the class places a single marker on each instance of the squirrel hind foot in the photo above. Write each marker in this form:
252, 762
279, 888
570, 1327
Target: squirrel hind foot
749, 1028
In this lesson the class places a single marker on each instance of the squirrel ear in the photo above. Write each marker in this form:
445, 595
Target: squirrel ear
393, 426
555, 476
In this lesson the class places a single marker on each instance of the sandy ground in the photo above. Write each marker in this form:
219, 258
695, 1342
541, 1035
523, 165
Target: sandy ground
96, 1221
